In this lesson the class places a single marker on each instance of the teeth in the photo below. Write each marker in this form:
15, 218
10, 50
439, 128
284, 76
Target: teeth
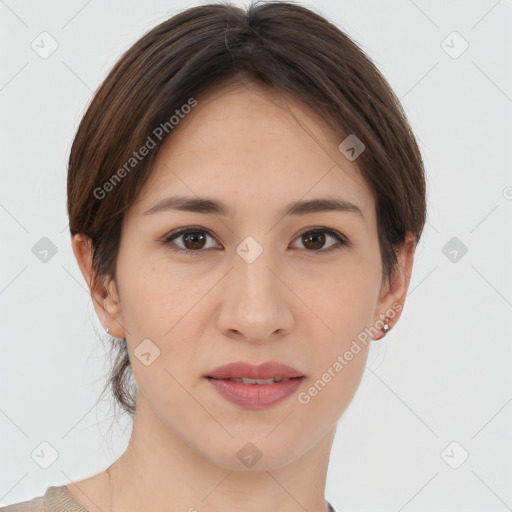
245, 380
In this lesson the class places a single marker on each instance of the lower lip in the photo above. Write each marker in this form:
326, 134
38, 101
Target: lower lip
255, 396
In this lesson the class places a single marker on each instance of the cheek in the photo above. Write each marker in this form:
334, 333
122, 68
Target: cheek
345, 306
339, 358
159, 309
345, 299
153, 299
331, 392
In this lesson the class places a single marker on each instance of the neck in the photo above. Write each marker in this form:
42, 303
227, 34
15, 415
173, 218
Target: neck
158, 471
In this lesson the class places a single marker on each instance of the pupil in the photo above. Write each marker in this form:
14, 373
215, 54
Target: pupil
318, 237
193, 237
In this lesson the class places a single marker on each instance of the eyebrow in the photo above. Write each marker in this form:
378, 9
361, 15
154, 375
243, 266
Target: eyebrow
210, 206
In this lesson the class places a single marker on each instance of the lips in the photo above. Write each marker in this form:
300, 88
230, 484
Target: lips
255, 387
250, 374
260, 382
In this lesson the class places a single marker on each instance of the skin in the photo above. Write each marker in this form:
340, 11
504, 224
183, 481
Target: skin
245, 147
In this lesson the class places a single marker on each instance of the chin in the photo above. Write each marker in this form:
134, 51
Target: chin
254, 452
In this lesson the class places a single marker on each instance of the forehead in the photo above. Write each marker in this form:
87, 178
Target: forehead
251, 146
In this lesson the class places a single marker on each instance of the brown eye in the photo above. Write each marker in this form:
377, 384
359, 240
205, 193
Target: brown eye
314, 240
193, 240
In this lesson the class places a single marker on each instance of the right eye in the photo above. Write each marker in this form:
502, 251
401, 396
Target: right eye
192, 237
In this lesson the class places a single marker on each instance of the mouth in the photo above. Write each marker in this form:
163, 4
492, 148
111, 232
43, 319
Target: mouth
251, 393
266, 373
259, 382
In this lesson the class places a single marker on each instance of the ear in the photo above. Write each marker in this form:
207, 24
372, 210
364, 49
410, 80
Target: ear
393, 294
104, 294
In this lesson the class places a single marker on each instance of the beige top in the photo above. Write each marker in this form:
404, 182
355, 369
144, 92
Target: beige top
55, 499
59, 499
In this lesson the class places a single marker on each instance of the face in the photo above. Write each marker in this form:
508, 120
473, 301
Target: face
256, 284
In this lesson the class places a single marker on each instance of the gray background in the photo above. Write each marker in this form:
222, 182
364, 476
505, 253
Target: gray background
438, 389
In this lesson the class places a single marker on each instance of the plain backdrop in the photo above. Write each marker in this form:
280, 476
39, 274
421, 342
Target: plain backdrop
429, 428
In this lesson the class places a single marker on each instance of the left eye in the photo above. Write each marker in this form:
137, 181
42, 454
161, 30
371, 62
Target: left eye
317, 236
194, 240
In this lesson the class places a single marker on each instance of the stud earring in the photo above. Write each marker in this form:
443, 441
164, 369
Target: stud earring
386, 328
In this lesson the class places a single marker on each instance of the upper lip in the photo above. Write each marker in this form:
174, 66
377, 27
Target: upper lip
265, 370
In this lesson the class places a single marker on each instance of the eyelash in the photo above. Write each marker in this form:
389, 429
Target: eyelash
341, 241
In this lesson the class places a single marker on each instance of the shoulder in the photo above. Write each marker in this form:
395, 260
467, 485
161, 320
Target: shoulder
55, 499
329, 506
34, 505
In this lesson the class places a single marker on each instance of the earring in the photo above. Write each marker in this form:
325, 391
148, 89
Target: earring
386, 328
107, 330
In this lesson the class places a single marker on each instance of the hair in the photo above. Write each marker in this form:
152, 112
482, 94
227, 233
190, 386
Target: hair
280, 45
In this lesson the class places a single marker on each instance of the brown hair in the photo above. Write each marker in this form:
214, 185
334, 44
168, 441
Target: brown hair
281, 45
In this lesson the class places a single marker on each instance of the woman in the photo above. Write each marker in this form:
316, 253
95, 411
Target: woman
245, 197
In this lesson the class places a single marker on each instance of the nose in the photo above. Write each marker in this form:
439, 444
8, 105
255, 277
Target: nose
256, 304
